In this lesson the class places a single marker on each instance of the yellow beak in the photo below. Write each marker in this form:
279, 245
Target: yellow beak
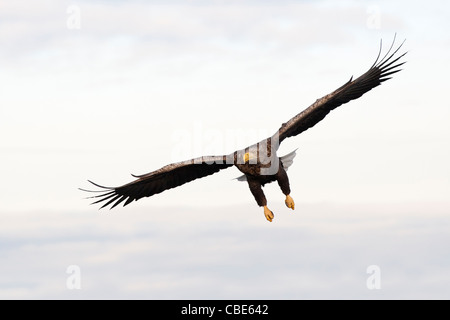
246, 157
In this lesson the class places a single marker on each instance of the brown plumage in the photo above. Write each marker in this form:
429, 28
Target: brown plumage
259, 162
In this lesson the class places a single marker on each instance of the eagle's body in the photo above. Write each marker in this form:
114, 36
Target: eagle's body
259, 162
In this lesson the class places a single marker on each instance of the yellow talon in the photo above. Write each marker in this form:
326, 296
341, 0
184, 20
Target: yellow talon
268, 214
289, 202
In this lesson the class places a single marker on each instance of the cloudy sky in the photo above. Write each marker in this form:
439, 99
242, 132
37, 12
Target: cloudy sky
101, 89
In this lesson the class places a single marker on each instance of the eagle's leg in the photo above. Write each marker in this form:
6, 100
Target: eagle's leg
256, 189
283, 182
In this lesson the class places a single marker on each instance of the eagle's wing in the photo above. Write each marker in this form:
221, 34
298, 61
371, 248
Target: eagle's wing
379, 72
169, 176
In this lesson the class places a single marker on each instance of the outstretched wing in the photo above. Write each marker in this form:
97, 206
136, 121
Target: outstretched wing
170, 176
379, 72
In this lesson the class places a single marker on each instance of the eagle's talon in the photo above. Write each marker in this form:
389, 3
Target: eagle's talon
269, 214
289, 202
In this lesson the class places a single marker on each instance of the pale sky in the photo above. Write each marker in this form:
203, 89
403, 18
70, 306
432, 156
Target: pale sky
100, 89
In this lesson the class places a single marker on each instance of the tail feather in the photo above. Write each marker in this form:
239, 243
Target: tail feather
288, 159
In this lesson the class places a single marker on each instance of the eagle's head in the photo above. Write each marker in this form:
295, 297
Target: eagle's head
250, 157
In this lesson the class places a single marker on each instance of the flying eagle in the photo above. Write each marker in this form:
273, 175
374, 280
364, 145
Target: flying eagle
259, 162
